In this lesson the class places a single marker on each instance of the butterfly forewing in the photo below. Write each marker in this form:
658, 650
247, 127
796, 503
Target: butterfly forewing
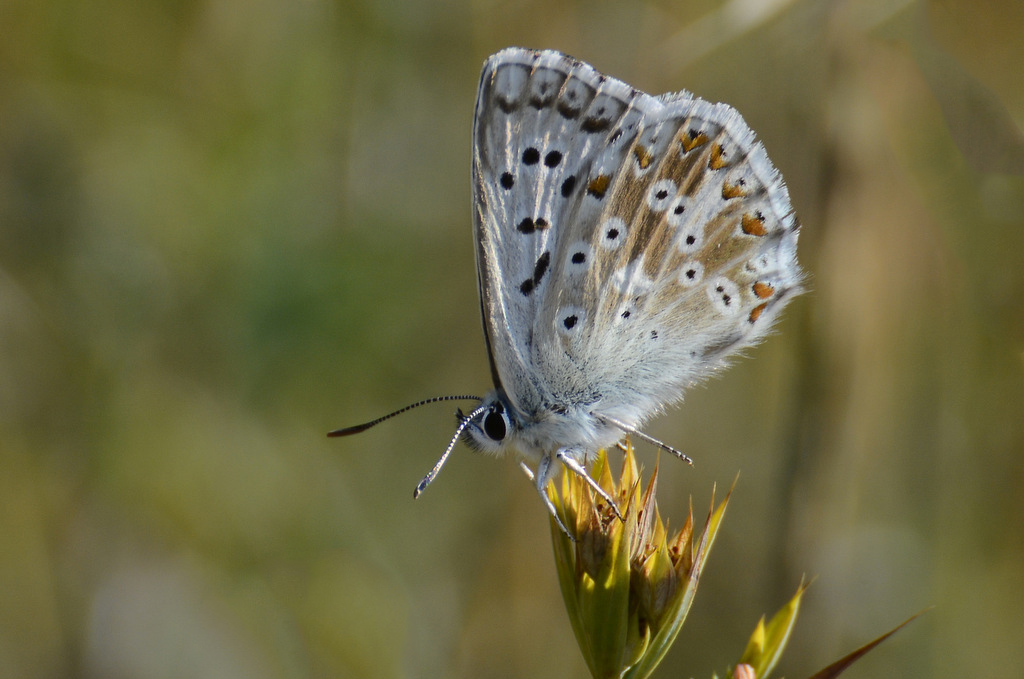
626, 243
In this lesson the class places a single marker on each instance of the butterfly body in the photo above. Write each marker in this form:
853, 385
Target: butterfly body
532, 435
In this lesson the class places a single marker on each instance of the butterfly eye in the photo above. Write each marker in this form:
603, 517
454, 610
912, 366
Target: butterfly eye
496, 423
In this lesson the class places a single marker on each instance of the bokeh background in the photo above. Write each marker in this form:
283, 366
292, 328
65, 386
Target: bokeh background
228, 226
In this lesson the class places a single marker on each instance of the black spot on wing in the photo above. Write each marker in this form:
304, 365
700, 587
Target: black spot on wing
539, 269
553, 158
529, 224
542, 266
568, 185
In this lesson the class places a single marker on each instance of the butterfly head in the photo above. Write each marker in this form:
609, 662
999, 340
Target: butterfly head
491, 426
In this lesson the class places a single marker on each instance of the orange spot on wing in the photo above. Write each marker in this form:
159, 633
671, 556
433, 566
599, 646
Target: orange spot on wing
732, 190
717, 161
643, 156
753, 225
757, 311
763, 290
599, 185
691, 140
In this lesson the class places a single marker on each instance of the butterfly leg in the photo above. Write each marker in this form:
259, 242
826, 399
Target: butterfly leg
647, 437
565, 458
546, 472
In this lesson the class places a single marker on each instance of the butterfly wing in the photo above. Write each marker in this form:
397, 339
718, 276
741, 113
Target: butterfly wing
627, 244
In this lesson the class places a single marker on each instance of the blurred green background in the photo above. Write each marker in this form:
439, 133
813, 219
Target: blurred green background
227, 227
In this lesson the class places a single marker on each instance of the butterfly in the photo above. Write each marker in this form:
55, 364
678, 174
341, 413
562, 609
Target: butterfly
626, 245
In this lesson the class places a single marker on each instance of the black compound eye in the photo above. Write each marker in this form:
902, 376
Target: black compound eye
496, 424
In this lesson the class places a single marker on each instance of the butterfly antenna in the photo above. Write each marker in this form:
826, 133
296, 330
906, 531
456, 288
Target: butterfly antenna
464, 421
650, 439
347, 431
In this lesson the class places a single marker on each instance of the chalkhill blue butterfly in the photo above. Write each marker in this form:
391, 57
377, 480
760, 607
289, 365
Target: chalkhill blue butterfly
626, 246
